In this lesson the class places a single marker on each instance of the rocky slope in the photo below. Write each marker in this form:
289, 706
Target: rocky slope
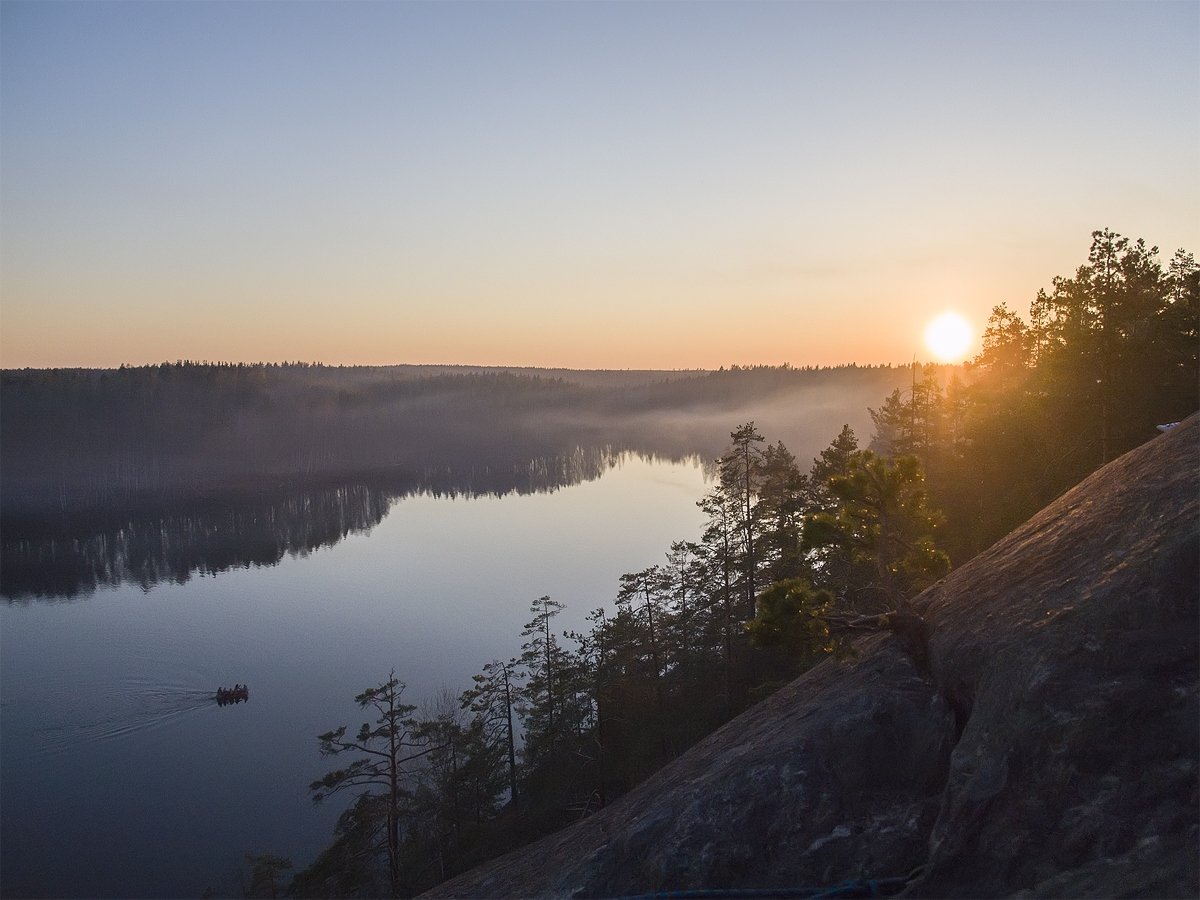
1046, 744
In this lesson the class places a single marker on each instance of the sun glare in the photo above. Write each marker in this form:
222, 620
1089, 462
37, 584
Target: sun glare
948, 337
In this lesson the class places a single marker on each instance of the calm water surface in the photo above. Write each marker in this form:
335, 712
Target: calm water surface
120, 777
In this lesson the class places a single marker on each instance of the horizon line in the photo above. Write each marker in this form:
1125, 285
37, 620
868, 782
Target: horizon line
315, 364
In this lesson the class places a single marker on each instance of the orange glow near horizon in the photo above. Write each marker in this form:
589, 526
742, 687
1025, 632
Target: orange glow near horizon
685, 342
310, 185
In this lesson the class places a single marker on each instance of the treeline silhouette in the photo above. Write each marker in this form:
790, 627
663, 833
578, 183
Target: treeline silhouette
788, 556
1105, 357
84, 439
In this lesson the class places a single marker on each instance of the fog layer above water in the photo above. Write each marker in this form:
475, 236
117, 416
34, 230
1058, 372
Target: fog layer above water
160, 473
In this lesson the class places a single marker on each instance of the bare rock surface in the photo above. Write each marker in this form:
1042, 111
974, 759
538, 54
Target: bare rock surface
1069, 652
1050, 749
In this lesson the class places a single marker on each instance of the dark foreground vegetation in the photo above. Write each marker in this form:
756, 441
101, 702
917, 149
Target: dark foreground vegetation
792, 561
1040, 741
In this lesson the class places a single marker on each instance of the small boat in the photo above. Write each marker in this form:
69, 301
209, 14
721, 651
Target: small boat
237, 694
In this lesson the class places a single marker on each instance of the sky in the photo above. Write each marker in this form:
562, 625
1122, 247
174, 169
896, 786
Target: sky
585, 185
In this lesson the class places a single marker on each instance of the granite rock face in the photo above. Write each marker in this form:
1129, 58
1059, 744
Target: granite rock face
1069, 651
1050, 749
840, 772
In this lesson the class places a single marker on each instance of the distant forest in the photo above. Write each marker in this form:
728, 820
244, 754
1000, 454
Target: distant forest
75, 440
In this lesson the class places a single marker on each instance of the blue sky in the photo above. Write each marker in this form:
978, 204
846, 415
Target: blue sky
577, 184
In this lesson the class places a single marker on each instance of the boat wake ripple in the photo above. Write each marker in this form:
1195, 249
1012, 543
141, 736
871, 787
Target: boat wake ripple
129, 712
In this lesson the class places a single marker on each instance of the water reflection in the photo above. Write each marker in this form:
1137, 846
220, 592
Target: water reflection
58, 558
117, 756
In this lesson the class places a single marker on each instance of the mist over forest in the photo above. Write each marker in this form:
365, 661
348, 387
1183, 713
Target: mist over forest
80, 440
156, 473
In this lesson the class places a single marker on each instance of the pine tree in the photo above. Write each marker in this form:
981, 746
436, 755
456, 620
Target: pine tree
546, 664
779, 511
381, 752
640, 595
493, 700
883, 519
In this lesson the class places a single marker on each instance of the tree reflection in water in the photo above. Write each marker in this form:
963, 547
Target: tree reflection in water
70, 557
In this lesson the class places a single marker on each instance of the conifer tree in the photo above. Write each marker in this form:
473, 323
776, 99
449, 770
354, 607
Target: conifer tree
779, 510
546, 665
793, 616
719, 561
639, 594
739, 473
380, 752
883, 519
493, 700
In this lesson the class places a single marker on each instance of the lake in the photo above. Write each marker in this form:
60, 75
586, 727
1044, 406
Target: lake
120, 775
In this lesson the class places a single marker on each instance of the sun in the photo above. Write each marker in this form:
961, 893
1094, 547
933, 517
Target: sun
948, 337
